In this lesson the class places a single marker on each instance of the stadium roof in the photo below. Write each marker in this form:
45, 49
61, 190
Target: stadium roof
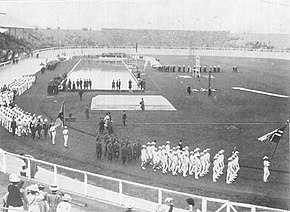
7, 21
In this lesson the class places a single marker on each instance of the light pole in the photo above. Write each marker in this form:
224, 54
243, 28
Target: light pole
209, 81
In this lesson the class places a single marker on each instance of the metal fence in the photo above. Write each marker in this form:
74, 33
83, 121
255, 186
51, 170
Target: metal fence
113, 190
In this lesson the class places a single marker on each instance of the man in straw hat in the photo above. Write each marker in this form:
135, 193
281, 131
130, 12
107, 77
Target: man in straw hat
64, 205
32, 198
53, 199
14, 197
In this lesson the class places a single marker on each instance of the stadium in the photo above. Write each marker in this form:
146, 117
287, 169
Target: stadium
204, 90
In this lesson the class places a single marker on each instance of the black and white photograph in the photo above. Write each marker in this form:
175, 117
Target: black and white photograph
144, 105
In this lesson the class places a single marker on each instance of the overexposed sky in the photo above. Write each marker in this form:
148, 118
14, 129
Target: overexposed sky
257, 16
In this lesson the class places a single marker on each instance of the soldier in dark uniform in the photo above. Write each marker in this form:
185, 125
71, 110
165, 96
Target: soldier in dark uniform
13, 125
81, 84
135, 151
99, 149
124, 153
110, 151
116, 150
106, 141
130, 152
139, 148
101, 125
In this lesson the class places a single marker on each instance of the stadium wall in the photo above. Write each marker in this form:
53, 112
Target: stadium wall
85, 50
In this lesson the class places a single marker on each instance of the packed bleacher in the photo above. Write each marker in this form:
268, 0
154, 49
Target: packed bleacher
43, 38
11, 47
167, 38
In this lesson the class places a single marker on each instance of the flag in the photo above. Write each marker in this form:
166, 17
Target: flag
136, 47
60, 117
273, 136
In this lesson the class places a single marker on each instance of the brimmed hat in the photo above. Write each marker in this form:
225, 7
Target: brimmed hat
13, 178
129, 206
265, 158
66, 197
168, 199
65, 127
40, 186
168, 142
33, 187
53, 188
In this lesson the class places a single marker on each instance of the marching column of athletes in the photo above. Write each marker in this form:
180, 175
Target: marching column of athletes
178, 160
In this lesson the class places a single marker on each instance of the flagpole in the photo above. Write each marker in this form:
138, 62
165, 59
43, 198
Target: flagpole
63, 113
274, 151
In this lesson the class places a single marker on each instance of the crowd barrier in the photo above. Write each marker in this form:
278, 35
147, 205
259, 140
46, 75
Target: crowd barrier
113, 190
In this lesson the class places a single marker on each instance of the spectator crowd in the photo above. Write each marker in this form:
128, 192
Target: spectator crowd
34, 198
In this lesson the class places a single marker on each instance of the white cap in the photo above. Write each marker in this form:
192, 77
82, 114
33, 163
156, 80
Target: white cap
14, 178
66, 197
265, 158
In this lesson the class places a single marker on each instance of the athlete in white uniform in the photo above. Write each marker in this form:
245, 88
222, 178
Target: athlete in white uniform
65, 136
144, 156
266, 163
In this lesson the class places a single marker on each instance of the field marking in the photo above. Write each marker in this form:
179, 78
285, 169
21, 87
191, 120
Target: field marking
260, 92
154, 82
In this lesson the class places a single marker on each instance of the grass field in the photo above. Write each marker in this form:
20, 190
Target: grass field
229, 118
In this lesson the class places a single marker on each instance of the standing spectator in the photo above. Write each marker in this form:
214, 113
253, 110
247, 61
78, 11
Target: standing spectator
113, 85
64, 205
14, 198
33, 198
90, 84
78, 83
81, 84
119, 84
81, 95
124, 117
65, 136
41, 200
142, 104
69, 84
130, 85
53, 199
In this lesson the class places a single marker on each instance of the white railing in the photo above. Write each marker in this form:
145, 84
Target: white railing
113, 190
163, 47
4, 64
